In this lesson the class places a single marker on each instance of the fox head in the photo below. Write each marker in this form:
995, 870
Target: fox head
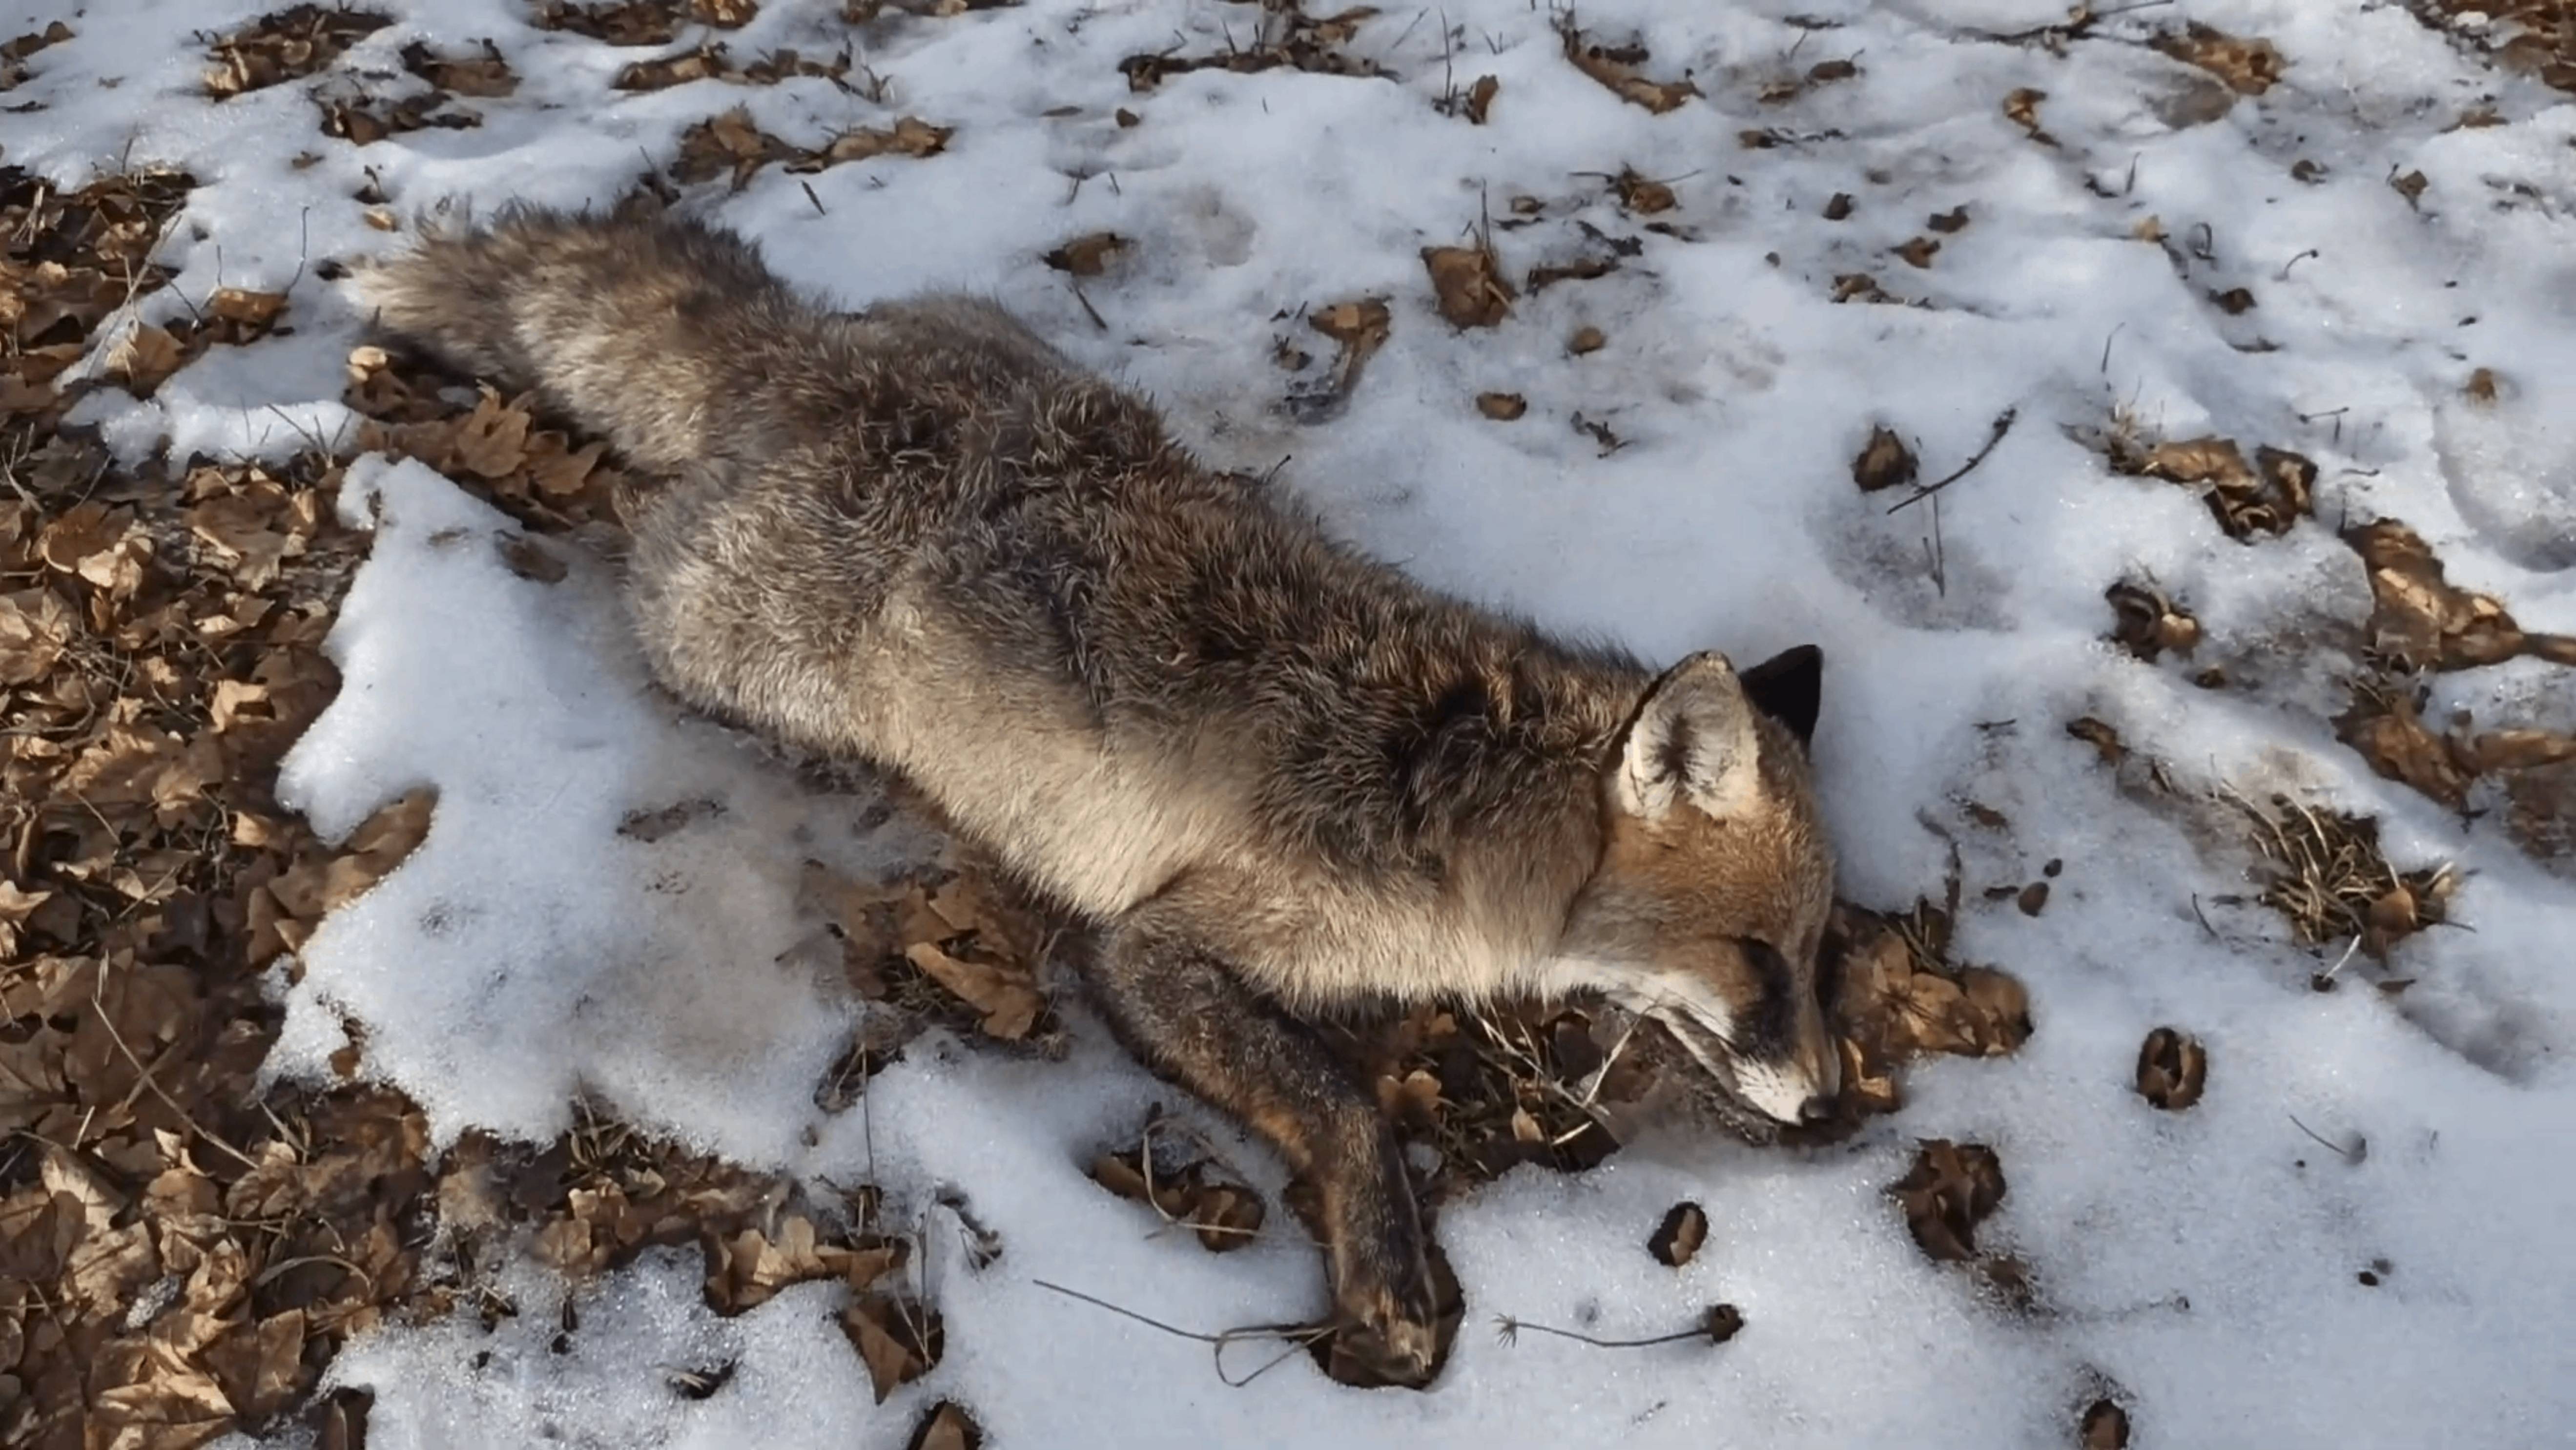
1708, 907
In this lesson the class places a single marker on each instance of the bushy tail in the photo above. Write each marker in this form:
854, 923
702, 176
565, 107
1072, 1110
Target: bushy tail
642, 329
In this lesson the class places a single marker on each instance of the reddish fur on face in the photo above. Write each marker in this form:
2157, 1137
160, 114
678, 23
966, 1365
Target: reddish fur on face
1683, 894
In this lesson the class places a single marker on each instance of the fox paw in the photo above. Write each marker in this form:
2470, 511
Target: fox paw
1389, 1336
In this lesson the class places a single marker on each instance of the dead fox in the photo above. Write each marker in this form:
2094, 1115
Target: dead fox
1282, 777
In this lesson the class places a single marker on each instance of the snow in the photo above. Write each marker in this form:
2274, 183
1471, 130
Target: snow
528, 952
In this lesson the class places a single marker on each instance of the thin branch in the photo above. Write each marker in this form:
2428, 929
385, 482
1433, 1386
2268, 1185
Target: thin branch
2002, 425
1298, 1336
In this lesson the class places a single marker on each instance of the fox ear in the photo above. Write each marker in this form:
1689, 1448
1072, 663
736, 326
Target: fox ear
1789, 688
1692, 742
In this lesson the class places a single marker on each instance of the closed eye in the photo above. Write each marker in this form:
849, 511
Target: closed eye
1766, 1031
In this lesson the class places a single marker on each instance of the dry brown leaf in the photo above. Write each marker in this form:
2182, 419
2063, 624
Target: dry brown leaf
1918, 252
2248, 66
2105, 1426
493, 441
2147, 623
380, 843
1678, 1238
259, 1365
2022, 109
897, 1337
1884, 462
2423, 621
145, 359
946, 1427
1501, 407
1089, 255
36, 626
1008, 997
486, 75
1951, 1188
1468, 282
1480, 98
2387, 730
245, 308
1616, 67
2173, 1068
909, 136
750, 1268
1586, 341
1642, 196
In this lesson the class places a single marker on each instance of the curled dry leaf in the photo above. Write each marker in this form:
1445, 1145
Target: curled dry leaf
2147, 623
2022, 109
1480, 98
1918, 252
285, 45
2105, 1426
1469, 284
1641, 196
2173, 1068
1006, 996
2423, 621
946, 1427
1224, 1214
1501, 407
1616, 68
2267, 498
1358, 328
486, 74
1884, 462
1088, 255
1678, 1238
1951, 1189
1586, 341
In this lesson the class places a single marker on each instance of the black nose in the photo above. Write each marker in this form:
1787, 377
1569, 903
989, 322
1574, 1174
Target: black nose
1816, 1109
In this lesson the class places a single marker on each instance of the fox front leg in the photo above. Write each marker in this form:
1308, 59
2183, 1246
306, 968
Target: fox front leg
1190, 1018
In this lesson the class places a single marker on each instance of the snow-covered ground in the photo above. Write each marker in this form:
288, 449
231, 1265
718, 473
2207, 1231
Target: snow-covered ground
2203, 1267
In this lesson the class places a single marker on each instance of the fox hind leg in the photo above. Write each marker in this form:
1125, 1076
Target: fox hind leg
1191, 1019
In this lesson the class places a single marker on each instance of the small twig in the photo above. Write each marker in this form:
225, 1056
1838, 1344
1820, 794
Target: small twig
2340, 961
98, 1004
1716, 1325
1297, 1336
810, 196
2294, 261
2002, 425
2340, 1151
1088, 310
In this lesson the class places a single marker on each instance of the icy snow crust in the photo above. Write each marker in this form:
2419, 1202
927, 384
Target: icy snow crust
528, 951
